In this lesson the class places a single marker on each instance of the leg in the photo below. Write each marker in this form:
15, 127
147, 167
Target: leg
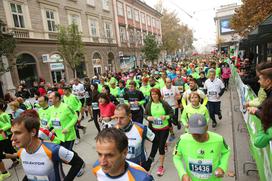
95, 117
212, 113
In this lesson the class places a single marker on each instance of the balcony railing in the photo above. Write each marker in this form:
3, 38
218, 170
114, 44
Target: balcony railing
19, 33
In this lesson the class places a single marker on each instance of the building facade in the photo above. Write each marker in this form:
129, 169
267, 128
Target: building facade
134, 19
225, 36
35, 26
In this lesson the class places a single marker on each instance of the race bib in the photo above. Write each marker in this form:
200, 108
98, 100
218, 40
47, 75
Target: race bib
121, 100
56, 124
134, 107
212, 93
201, 169
158, 121
43, 122
37, 178
131, 150
95, 105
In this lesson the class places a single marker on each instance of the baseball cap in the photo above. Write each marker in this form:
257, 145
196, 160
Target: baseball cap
197, 124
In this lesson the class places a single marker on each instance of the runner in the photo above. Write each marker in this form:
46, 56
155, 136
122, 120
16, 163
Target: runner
114, 142
107, 109
136, 133
158, 113
41, 160
95, 107
215, 89
135, 99
204, 153
63, 120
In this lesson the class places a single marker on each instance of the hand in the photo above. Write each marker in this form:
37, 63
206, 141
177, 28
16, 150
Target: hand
247, 104
150, 118
64, 131
219, 172
252, 110
186, 178
163, 117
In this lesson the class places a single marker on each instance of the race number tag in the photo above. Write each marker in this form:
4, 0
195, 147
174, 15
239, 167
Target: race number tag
131, 150
56, 124
134, 107
43, 122
201, 169
37, 178
212, 93
95, 105
158, 121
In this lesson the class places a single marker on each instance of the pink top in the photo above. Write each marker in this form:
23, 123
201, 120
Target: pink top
107, 110
226, 73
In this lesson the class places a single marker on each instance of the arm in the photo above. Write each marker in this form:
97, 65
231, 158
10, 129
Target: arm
177, 159
225, 154
142, 98
184, 117
262, 139
72, 116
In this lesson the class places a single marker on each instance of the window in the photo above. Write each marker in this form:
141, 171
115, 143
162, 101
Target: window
129, 12
94, 28
136, 14
153, 22
108, 30
91, 2
131, 36
123, 34
143, 18
148, 20
139, 37
75, 19
17, 14
120, 9
50, 19
106, 5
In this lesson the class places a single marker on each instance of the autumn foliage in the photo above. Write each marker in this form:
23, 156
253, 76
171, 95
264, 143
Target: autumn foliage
250, 14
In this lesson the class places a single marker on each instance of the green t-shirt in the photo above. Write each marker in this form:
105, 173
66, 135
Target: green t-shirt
145, 90
157, 110
195, 75
62, 118
44, 115
161, 83
73, 102
201, 159
189, 110
5, 125
114, 91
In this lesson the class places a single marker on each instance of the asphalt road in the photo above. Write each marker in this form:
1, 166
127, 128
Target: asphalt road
227, 127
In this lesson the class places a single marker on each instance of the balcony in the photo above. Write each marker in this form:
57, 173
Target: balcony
20, 33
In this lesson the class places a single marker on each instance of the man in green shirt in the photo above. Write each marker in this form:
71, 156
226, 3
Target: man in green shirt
204, 153
43, 111
63, 120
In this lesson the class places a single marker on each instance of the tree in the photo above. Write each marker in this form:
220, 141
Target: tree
249, 15
71, 46
150, 48
175, 35
7, 46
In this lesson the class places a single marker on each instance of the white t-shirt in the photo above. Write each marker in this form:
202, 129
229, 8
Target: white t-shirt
79, 90
186, 95
213, 89
169, 95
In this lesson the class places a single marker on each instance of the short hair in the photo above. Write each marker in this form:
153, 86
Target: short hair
193, 79
267, 73
57, 94
113, 134
104, 96
132, 83
14, 104
45, 98
194, 93
31, 120
125, 107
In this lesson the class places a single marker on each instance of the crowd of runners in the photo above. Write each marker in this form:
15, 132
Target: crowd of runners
127, 109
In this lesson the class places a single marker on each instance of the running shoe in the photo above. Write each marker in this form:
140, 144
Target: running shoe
3, 176
81, 171
160, 171
76, 141
214, 124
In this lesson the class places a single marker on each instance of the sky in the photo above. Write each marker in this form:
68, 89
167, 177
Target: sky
199, 16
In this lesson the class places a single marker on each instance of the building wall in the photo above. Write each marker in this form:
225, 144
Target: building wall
35, 38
